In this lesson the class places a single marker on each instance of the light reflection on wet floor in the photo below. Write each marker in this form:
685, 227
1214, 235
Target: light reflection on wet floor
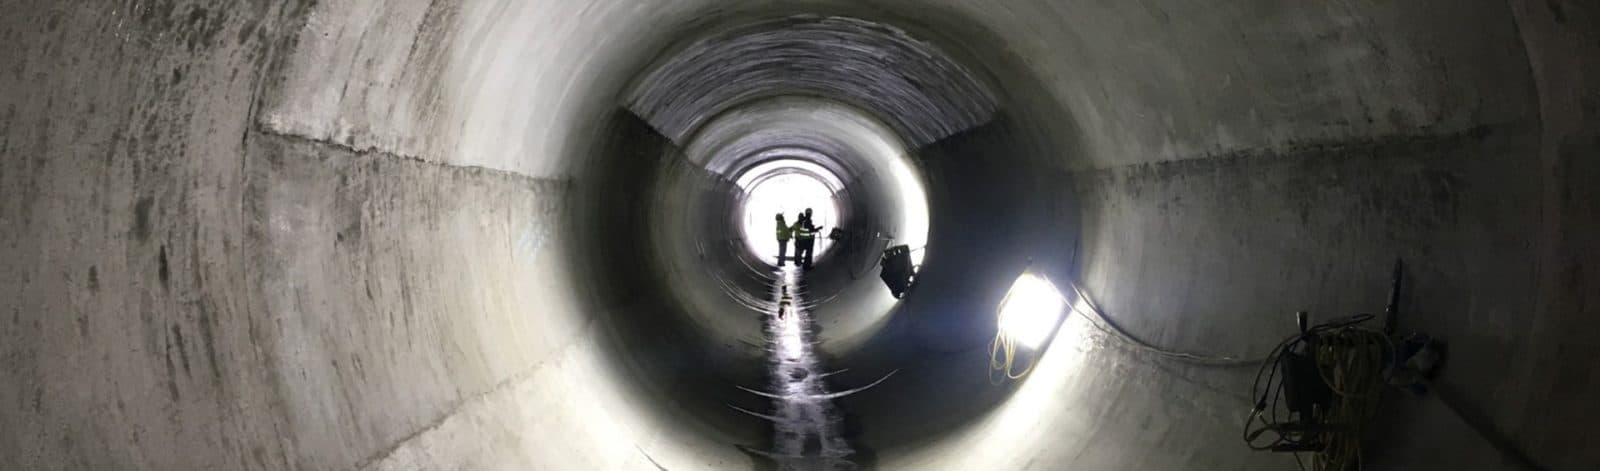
807, 427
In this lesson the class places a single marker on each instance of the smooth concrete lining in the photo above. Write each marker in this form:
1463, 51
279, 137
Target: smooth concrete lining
874, 211
405, 234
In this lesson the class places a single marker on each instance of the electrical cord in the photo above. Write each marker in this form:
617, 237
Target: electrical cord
1351, 363
1104, 323
1002, 360
1267, 413
1003, 352
1349, 359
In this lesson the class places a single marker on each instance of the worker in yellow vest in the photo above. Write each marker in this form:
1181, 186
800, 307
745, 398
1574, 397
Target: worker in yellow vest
805, 238
784, 231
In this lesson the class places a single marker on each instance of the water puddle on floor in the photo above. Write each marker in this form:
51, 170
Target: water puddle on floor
807, 428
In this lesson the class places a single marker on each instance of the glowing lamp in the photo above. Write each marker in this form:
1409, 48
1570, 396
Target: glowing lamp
1031, 310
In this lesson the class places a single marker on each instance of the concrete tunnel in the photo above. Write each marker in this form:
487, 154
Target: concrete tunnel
493, 234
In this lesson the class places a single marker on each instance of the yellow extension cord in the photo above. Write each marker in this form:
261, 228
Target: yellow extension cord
1003, 355
1350, 361
1002, 359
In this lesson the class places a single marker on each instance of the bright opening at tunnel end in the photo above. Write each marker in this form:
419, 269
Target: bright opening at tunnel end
786, 194
539, 234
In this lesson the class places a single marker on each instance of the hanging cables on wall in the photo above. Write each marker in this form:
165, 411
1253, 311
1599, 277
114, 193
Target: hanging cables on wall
1098, 318
1313, 394
1321, 386
1318, 390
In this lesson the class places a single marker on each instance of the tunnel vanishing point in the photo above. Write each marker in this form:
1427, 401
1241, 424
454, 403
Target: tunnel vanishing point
502, 234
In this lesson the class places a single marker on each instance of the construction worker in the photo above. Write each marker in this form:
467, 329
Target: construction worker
784, 231
805, 238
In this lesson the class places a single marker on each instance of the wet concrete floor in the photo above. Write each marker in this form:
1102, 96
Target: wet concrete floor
807, 427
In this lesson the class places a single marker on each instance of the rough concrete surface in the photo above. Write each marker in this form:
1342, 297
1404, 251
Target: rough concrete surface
407, 234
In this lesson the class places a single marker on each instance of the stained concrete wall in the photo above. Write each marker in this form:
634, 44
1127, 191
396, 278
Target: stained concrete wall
242, 295
1237, 241
338, 235
132, 309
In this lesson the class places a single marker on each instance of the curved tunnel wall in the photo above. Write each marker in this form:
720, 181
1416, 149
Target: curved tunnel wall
341, 235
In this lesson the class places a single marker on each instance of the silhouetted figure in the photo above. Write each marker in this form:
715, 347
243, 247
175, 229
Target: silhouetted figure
784, 231
805, 239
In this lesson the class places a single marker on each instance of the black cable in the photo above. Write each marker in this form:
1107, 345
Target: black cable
1261, 392
1104, 322
1349, 360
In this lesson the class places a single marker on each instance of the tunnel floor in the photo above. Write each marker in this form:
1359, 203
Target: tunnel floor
395, 235
808, 431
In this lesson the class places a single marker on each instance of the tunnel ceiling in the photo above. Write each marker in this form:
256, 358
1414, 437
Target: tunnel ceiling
838, 136
915, 88
416, 234
761, 158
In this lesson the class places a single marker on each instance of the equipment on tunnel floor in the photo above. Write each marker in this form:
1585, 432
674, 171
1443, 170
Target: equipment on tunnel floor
1417, 362
1329, 379
897, 272
1319, 387
1318, 390
1419, 356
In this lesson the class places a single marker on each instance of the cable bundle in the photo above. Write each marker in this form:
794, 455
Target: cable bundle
1348, 360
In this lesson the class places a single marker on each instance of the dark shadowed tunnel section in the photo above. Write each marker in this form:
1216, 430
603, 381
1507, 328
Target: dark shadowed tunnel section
495, 234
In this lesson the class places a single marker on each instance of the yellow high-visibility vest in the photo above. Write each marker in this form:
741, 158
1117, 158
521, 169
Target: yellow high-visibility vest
784, 232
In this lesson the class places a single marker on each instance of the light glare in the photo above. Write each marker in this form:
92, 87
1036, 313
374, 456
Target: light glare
1030, 310
788, 194
914, 222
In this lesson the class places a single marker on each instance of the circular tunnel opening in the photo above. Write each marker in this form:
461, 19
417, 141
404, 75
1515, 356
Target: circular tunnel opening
902, 141
775, 193
484, 234
712, 206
